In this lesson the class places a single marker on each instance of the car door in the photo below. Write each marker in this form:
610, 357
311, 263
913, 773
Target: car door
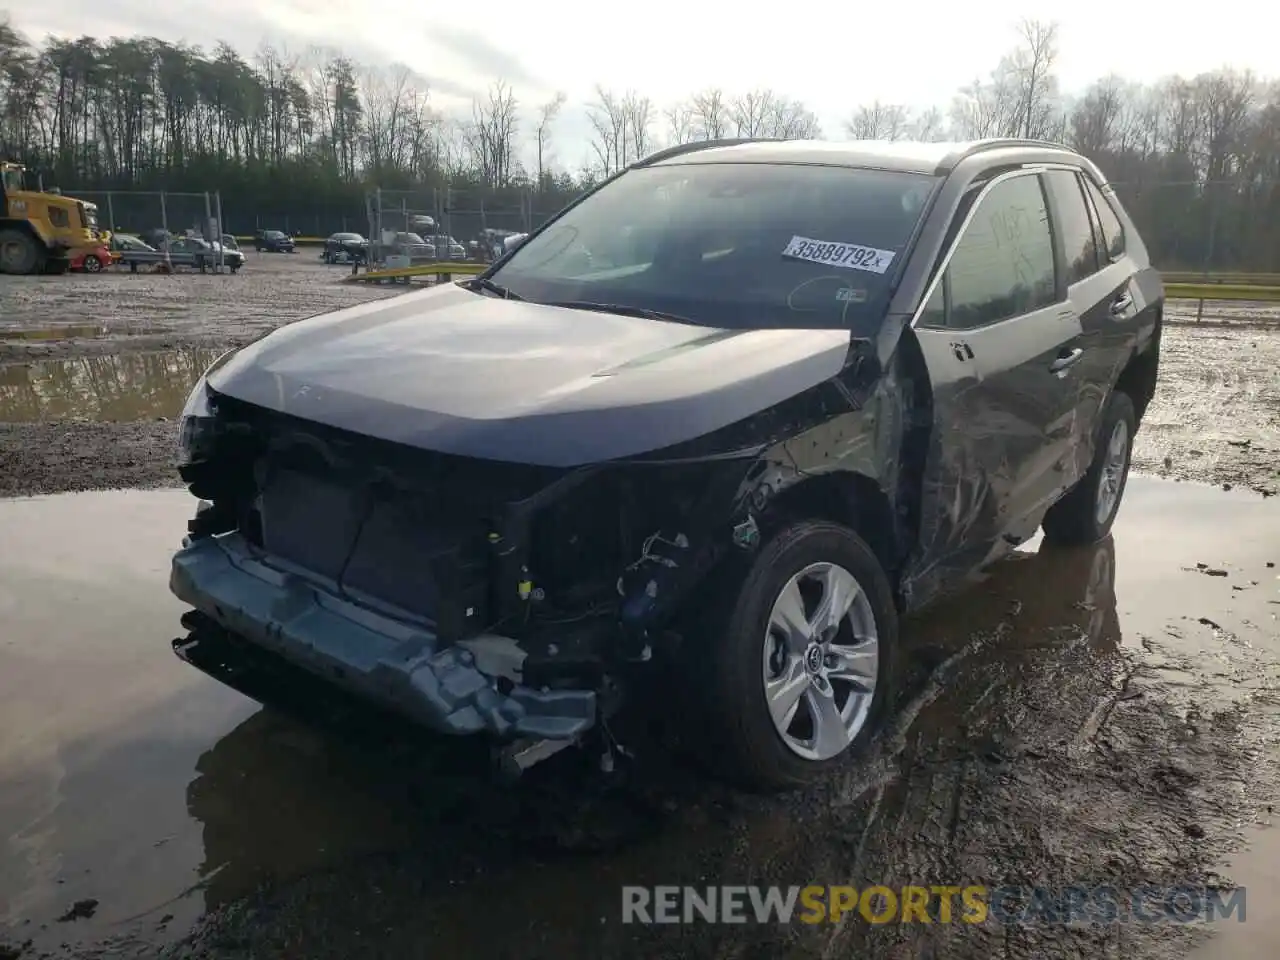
1003, 345
1098, 273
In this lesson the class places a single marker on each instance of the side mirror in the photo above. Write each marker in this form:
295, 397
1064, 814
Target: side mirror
512, 242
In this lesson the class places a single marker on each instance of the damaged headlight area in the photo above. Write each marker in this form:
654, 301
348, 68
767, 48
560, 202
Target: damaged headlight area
198, 420
473, 596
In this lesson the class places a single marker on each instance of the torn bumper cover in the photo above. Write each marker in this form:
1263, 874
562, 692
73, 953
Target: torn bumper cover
391, 661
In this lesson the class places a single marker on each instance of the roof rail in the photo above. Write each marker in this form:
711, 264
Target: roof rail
680, 149
1001, 143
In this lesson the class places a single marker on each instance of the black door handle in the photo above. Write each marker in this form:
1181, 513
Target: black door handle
1066, 360
1121, 303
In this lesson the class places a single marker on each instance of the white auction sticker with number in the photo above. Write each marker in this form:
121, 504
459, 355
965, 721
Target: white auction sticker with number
852, 256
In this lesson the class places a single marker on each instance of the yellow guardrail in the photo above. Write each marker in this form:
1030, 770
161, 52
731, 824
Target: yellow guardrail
460, 268
1228, 279
1257, 293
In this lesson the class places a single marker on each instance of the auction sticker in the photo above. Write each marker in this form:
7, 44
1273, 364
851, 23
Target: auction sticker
853, 256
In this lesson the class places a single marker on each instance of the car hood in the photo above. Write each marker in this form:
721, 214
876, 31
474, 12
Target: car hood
459, 372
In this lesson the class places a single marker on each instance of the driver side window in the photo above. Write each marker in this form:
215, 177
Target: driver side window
1003, 264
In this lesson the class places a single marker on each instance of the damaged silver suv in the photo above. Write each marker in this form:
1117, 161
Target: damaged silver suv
736, 409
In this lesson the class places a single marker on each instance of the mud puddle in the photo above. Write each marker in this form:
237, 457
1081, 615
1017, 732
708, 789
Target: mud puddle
116, 388
1053, 729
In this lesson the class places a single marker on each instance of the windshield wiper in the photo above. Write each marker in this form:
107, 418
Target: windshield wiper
484, 283
621, 309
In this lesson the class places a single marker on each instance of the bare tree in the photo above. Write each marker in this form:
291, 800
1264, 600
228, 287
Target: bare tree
1095, 121
879, 121
608, 118
679, 123
987, 108
1226, 100
752, 113
639, 114
491, 135
927, 126
709, 115
399, 122
547, 115
1032, 68
792, 120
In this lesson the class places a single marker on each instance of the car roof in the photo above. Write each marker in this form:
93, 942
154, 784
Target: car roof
908, 156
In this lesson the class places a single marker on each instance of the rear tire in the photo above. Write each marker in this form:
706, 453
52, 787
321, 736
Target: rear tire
1088, 511
750, 668
19, 253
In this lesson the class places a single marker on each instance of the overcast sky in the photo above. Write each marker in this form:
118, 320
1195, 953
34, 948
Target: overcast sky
831, 55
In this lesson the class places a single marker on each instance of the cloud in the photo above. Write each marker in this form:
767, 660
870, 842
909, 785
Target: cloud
483, 56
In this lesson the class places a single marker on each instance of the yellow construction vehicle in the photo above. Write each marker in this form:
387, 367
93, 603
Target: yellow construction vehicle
39, 230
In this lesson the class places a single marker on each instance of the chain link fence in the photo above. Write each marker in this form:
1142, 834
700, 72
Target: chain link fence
143, 211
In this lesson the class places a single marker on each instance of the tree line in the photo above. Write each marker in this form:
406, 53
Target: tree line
1197, 160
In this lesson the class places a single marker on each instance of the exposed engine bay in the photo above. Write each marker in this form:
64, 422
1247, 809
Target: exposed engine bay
549, 579
481, 596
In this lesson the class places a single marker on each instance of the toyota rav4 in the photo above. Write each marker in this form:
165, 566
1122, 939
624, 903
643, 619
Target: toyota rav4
737, 409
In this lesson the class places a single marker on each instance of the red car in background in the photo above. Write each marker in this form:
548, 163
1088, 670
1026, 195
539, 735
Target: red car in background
91, 259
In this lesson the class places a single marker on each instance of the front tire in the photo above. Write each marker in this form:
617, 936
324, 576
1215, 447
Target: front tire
92, 264
1088, 511
19, 254
800, 665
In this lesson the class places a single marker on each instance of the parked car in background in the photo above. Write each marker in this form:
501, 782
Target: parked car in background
272, 241
446, 248
735, 411
121, 242
405, 244
91, 259
510, 242
230, 242
156, 237
192, 251
345, 247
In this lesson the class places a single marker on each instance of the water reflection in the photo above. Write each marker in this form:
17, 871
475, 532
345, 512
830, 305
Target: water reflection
418, 855
121, 387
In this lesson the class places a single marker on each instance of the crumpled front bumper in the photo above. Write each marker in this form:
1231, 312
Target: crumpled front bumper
393, 662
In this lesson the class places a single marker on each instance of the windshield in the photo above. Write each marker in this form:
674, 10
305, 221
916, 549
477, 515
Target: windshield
12, 179
274, 235
730, 245
410, 238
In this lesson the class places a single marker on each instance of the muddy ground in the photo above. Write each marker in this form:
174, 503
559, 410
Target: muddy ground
1096, 717
1106, 716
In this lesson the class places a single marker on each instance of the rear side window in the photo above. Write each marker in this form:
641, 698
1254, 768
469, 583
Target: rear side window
1073, 224
1003, 265
1112, 229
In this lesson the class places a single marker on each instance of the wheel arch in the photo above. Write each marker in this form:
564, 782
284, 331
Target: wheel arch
1140, 372
849, 498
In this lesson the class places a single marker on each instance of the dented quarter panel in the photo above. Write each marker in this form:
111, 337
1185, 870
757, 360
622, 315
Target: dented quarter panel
458, 372
963, 479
